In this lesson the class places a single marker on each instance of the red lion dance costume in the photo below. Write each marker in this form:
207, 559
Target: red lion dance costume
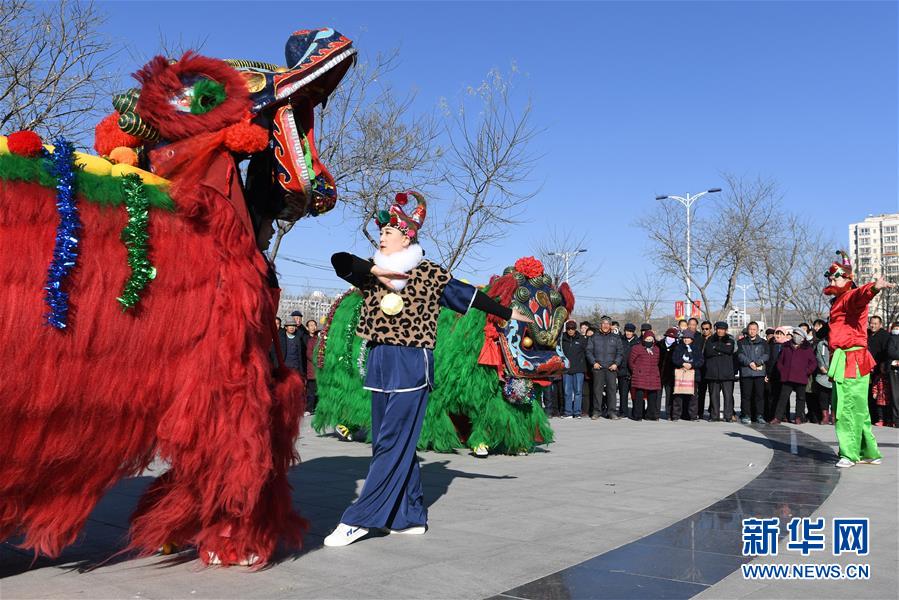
183, 372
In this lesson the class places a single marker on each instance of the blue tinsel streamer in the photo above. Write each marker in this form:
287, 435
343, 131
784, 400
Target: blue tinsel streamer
65, 252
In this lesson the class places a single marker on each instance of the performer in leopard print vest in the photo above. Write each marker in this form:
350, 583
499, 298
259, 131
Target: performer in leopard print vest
402, 294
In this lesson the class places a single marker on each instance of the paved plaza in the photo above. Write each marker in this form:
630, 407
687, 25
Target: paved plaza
613, 509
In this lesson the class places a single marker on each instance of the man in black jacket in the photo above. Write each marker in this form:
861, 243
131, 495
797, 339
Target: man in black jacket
878, 340
628, 341
719, 371
605, 353
703, 385
752, 353
574, 346
772, 376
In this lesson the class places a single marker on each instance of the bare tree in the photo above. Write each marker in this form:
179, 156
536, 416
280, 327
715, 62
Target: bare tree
488, 161
372, 143
550, 251
645, 295
725, 232
53, 68
786, 270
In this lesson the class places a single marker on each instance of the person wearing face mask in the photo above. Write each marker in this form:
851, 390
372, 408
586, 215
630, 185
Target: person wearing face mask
851, 363
893, 373
719, 370
687, 357
795, 364
646, 383
666, 368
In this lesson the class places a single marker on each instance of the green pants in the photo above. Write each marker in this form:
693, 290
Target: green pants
853, 420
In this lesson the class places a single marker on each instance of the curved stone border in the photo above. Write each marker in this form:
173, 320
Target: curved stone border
693, 554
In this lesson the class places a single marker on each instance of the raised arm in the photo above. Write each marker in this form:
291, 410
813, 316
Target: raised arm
351, 268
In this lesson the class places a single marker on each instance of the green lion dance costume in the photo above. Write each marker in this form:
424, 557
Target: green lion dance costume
851, 363
489, 374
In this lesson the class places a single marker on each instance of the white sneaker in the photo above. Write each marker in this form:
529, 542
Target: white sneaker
344, 535
415, 530
845, 463
870, 461
481, 451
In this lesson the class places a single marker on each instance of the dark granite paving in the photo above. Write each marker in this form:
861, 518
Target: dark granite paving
687, 557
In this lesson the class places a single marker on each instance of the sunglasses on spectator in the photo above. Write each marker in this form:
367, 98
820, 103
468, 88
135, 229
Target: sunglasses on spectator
706, 328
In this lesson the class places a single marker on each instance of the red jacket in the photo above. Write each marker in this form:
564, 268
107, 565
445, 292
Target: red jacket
644, 367
849, 327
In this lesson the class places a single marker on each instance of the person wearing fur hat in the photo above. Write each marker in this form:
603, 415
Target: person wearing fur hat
850, 362
646, 383
402, 295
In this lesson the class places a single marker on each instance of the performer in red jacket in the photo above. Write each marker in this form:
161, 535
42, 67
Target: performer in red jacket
851, 363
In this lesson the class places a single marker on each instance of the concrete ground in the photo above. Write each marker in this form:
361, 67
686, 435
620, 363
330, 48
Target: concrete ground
494, 524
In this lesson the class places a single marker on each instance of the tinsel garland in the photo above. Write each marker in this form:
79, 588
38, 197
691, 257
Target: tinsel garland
135, 236
65, 251
322, 344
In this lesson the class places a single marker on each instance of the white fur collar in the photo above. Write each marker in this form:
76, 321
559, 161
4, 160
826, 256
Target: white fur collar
402, 262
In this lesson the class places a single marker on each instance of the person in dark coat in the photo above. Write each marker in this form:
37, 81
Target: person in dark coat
629, 340
719, 371
574, 347
705, 332
296, 318
795, 364
686, 356
893, 372
646, 383
605, 353
666, 367
878, 340
772, 375
752, 352
294, 349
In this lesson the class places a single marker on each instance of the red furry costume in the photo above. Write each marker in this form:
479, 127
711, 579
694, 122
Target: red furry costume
185, 375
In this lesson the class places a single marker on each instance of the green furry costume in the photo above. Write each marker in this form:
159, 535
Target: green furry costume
466, 407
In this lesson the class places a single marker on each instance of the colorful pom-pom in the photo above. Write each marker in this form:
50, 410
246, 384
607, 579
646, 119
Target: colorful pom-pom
108, 136
25, 143
123, 156
529, 266
402, 198
246, 138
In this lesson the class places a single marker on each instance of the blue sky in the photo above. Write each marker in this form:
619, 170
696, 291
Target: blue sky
636, 99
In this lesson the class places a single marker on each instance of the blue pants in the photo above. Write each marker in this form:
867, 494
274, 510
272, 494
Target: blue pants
391, 496
574, 393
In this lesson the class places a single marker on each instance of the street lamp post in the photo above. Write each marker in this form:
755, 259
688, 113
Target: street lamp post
567, 256
744, 287
688, 201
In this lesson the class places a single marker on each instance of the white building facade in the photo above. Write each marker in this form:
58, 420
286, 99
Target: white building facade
874, 250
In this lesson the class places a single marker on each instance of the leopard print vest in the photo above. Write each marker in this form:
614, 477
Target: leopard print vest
416, 324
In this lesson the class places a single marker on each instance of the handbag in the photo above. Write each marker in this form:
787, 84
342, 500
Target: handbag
684, 382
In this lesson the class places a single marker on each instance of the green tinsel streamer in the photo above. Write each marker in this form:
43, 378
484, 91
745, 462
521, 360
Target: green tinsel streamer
135, 236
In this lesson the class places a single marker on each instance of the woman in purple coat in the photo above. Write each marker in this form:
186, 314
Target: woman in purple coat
795, 364
643, 363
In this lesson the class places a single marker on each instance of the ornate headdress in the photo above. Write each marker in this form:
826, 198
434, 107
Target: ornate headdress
396, 217
840, 267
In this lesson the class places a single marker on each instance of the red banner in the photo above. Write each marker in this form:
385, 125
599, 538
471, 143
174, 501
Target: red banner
696, 309
679, 309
